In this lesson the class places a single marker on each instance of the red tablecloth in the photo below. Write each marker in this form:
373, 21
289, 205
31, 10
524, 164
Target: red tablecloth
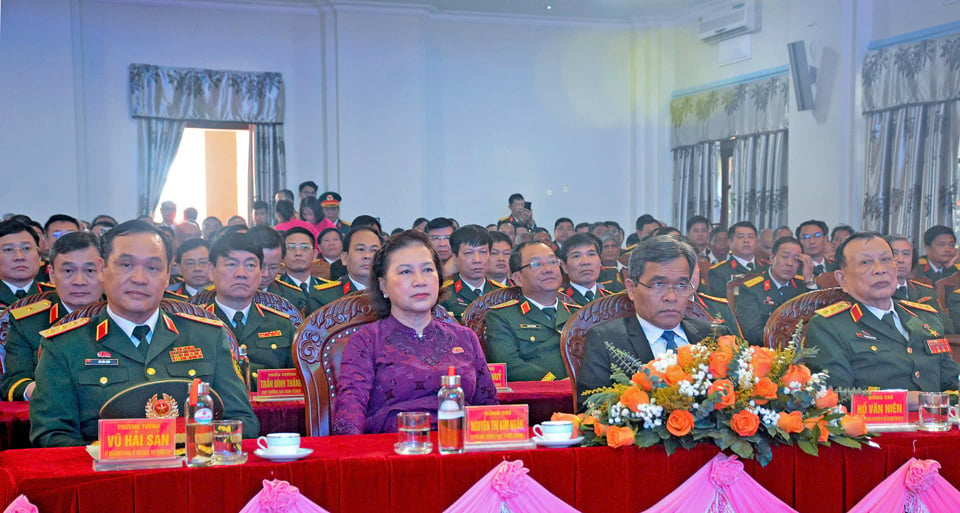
348, 474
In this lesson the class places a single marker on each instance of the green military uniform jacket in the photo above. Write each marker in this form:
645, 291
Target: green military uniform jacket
23, 342
826, 266
267, 335
180, 292
343, 226
574, 295
610, 279
719, 310
7, 297
721, 273
306, 303
926, 270
952, 300
460, 295
758, 298
917, 291
289, 292
329, 292
862, 351
520, 335
86, 362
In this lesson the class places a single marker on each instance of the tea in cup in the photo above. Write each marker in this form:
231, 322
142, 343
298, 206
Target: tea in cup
280, 443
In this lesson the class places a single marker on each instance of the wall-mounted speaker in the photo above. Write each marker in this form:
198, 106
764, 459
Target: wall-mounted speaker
804, 76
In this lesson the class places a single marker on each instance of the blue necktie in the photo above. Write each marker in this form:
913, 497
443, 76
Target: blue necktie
670, 337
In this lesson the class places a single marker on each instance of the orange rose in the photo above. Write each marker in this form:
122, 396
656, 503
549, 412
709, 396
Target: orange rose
764, 390
828, 400
675, 375
853, 425
680, 422
574, 419
599, 429
815, 422
619, 436
685, 356
633, 398
791, 422
645, 379
726, 343
718, 363
762, 360
745, 423
796, 373
727, 395
589, 420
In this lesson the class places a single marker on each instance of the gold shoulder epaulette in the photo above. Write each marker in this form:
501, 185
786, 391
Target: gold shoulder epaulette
753, 281
203, 320
921, 284
799, 277
210, 287
629, 248
323, 280
47, 285
288, 285
505, 304
446, 284
325, 286
718, 264
714, 298
31, 309
571, 305
275, 312
922, 260
175, 293
834, 309
63, 328
497, 284
918, 306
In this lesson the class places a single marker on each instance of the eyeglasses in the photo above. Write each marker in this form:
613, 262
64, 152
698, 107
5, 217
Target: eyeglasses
439, 237
807, 236
659, 287
60, 233
303, 246
536, 265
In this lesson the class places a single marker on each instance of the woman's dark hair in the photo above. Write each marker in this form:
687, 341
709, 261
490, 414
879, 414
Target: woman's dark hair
284, 209
381, 262
313, 204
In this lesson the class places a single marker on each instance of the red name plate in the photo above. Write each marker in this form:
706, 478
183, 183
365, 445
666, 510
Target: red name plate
498, 371
495, 424
881, 406
278, 383
137, 439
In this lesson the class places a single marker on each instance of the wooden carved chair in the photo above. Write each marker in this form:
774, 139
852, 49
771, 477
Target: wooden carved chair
704, 264
733, 288
264, 298
943, 287
827, 280
318, 348
167, 306
475, 316
5, 321
783, 321
320, 269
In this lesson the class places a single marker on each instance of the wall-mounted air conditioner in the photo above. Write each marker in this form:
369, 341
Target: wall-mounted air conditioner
728, 20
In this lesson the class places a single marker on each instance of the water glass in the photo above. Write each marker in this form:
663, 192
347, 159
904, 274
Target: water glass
227, 443
413, 430
934, 411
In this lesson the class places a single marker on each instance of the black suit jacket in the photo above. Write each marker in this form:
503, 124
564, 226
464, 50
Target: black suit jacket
627, 335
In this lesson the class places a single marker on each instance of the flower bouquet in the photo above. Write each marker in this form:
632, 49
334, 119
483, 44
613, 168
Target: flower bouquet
722, 391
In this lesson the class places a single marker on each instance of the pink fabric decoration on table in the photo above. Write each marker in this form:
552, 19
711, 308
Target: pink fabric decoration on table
916, 487
721, 486
280, 497
508, 489
21, 505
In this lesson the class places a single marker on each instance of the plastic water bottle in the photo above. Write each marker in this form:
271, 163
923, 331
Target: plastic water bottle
199, 423
450, 413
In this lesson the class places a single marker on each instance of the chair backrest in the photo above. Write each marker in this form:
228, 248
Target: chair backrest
318, 349
5, 322
942, 287
167, 306
733, 288
475, 316
262, 297
320, 269
783, 321
827, 280
704, 264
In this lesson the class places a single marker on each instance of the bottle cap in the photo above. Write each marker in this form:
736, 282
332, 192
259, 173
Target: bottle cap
452, 379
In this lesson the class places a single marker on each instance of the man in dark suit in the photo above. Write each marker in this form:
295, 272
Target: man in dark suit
659, 283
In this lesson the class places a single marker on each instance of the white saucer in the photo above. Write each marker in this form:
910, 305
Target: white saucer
557, 443
302, 452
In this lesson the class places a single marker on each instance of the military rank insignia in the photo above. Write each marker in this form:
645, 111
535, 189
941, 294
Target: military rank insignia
939, 345
268, 334
164, 407
185, 353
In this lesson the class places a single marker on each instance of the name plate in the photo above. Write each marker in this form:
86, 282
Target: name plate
137, 439
503, 424
278, 383
498, 371
881, 406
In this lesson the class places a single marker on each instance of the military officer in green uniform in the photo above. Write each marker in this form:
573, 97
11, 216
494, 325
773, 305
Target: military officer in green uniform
267, 334
86, 362
906, 260
874, 341
743, 245
193, 259
471, 248
359, 247
940, 243
525, 333
300, 250
610, 279
498, 268
19, 262
75, 267
580, 259
330, 202
761, 294
520, 213
812, 235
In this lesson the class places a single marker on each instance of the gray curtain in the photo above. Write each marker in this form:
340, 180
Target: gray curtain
269, 170
755, 113
911, 94
758, 179
158, 141
162, 99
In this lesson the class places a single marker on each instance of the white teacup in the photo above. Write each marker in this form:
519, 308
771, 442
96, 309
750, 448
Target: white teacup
280, 443
554, 430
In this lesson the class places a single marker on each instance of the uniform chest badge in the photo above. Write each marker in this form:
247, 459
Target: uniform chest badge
865, 335
268, 334
185, 353
768, 301
939, 345
164, 407
457, 350
104, 354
